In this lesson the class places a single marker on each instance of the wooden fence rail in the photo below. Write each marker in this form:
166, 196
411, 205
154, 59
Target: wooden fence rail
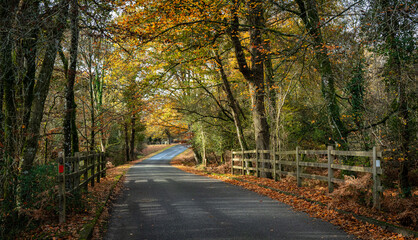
75, 173
249, 162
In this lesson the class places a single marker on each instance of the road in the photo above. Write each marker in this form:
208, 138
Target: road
163, 202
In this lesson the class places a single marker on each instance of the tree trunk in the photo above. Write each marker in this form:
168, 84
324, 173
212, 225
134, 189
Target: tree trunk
168, 134
70, 128
7, 75
254, 75
405, 136
256, 84
99, 102
1, 124
29, 18
74, 133
233, 105
126, 142
271, 93
396, 31
204, 159
103, 141
92, 115
197, 156
132, 148
42, 87
403, 113
309, 15
9, 96
92, 131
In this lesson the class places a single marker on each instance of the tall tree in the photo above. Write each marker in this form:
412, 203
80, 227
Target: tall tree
8, 73
133, 137
1, 122
70, 127
42, 85
391, 25
29, 22
233, 104
127, 152
8, 166
309, 15
254, 73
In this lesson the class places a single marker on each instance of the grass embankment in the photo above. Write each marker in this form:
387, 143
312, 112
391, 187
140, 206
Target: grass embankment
341, 209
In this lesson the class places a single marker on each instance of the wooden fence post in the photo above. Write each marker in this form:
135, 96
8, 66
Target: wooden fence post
330, 170
103, 159
273, 151
232, 162
376, 180
280, 166
298, 179
242, 162
61, 187
77, 170
256, 163
86, 172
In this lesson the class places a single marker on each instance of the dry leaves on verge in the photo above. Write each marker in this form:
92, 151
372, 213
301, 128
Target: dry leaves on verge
91, 202
326, 212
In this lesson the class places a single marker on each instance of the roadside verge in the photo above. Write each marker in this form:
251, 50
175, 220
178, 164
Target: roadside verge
315, 203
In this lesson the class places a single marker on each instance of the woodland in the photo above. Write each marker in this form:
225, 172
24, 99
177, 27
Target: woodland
113, 75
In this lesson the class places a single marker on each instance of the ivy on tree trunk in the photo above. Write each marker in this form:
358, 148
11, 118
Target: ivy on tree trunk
42, 86
70, 128
309, 15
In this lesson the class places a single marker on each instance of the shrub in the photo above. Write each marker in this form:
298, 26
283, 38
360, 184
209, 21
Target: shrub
355, 189
38, 191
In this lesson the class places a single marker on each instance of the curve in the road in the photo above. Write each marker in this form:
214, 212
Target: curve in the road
163, 202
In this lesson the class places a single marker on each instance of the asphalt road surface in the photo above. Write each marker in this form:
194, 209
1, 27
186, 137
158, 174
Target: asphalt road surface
163, 202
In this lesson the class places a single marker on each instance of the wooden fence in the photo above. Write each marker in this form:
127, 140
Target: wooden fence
75, 173
292, 163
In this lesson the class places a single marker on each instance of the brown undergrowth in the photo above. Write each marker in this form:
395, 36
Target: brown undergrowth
351, 197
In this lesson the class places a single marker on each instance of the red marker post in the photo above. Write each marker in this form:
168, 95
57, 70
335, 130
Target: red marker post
61, 189
61, 168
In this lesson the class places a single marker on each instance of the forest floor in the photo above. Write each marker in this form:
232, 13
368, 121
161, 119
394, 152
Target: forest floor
93, 207
344, 207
